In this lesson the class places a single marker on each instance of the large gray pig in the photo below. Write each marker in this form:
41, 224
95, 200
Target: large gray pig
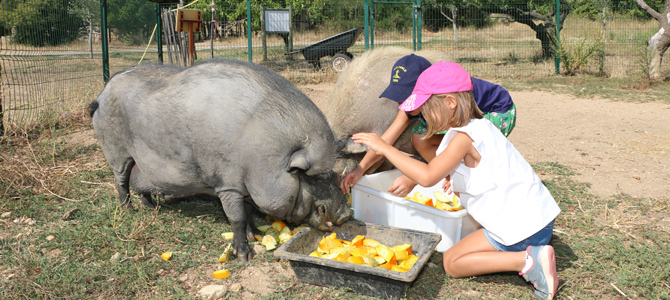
355, 106
226, 128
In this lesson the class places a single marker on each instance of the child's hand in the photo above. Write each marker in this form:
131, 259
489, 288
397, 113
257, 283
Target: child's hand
402, 186
372, 140
446, 186
350, 179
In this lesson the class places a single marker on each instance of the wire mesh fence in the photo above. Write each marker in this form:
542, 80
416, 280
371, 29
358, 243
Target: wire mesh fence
52, 62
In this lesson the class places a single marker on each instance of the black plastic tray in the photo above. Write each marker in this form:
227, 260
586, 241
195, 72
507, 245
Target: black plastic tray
359, 278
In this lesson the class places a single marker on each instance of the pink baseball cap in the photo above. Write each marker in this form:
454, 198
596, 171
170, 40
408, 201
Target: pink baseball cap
441, 78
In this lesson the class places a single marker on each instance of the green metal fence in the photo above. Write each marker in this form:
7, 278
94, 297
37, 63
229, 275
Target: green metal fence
55, 55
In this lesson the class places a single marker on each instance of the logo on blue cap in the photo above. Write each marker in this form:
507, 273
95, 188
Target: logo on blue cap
396, 74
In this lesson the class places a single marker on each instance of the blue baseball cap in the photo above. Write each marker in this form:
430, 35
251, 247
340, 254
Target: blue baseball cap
404, 74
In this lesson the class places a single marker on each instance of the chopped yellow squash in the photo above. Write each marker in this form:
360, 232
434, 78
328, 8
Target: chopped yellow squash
221, 274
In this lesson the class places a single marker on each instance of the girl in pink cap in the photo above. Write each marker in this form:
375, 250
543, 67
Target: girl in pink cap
496, 185
492, 99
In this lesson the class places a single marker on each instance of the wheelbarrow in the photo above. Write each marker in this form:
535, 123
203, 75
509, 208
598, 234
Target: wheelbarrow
335, 46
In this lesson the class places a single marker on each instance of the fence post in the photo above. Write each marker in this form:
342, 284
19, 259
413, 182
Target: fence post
211, 29
159, 32
249, 31
264, 42
290, 29
372, 24
419, 28
558, 38
414, 27
103, 35
2, 112
366, 11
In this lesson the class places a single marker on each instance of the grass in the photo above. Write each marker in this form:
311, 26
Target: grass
63, 235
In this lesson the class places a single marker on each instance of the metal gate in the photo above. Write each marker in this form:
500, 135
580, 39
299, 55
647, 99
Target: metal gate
373, 8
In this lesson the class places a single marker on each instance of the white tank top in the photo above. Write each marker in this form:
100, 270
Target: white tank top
502, 193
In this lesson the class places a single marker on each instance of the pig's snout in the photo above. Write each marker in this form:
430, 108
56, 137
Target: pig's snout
343, 215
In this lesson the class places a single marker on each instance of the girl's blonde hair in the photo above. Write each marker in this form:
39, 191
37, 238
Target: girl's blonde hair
435, 110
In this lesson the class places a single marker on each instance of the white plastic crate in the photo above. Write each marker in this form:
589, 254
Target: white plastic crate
373, 204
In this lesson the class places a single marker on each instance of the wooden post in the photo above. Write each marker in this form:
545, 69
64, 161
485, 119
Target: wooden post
191, 44
192, 18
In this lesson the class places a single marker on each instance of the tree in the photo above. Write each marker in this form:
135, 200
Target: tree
660, 41
89, 11
133, 19
527, 13
539, 15
41, 22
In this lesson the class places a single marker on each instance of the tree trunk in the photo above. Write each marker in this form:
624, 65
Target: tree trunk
545, 30
657, 45
660, 41
453, 22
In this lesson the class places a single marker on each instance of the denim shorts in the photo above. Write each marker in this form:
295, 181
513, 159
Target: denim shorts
540, 238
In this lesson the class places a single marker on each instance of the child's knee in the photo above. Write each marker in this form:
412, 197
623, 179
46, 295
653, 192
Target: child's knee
448, 265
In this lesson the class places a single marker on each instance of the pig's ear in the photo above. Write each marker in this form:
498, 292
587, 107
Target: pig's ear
298, 163
353, 148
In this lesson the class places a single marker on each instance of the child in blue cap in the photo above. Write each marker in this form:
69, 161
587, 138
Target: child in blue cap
496, 185
493, 100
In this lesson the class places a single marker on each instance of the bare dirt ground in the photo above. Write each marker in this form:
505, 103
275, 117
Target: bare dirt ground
617, 147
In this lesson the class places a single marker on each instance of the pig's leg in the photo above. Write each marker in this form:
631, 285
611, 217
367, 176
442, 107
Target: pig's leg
146, 201
251, 227
233, 206
141, 186
123, 182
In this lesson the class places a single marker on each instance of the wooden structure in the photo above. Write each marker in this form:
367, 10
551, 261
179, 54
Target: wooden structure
189, 20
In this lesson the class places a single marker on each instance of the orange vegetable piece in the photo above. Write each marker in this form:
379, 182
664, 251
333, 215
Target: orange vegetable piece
443, 206
356, 260
385, 252
401, 254
387, 266
360, 251
327, 244
403, 247
398, 269
278, 225
358, 241
341, 250
221, 274
363, 251
408, 263
341, 258
426, 201
371, 243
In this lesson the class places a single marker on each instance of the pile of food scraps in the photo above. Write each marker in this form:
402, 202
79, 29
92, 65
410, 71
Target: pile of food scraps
365, 251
